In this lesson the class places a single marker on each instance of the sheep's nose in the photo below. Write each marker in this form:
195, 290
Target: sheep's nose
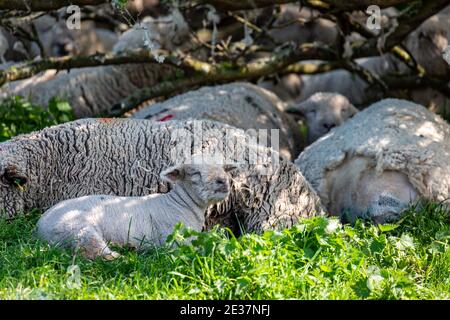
222, 185
328, 126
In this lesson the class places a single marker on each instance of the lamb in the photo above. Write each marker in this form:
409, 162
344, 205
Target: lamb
242, 105
124, 157
324, 111
90, 223
93, 91
380, 161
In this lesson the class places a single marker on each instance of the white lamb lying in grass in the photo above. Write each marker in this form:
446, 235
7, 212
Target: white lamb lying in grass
90, 223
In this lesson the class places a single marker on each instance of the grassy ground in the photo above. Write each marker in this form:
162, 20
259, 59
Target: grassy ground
317, 259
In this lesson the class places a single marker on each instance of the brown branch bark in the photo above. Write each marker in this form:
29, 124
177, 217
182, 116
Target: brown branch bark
407, 23
49, 5
29, 69
218, 74
44, 5
324, 4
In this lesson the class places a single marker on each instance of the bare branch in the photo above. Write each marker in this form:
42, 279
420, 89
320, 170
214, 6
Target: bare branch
218, 74
45, 5
370, 77
324, 4
407, 23
27, 70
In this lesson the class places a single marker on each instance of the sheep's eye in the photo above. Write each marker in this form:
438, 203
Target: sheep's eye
15, 180
328, 126
13, 177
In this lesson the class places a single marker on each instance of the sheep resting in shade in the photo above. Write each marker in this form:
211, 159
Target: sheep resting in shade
94, 90
126, 156
242, 105
323, 111
380, 161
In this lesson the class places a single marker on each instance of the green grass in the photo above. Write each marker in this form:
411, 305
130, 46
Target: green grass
18, 115
316, 259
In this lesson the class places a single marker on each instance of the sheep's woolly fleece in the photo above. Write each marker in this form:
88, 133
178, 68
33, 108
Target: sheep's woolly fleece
242, 105
126, 156
397, 135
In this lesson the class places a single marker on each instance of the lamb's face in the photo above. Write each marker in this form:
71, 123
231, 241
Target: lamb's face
209, 183
324, 111
13, 185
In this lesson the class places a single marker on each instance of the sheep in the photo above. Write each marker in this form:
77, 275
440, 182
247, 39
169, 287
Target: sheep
287, 27
124, 157
242, 105
4, 46
169, 32
90, 223
380, 161
324, 111
426, 44
93, 91
58, 40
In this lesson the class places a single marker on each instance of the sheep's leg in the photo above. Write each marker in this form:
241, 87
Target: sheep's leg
92, 245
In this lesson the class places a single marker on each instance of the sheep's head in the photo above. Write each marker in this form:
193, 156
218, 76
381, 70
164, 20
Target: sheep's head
14, 182
358, 190
324, 111
206, 182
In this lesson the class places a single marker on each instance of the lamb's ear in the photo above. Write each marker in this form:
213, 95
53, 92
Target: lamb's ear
173, 174
230, 167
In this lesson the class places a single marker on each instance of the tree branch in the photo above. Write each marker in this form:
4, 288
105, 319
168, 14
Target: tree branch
407, 23
45, 5
219, 74
323, 4
29, 69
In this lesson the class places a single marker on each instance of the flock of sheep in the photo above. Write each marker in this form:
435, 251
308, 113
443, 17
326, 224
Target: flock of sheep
370, 164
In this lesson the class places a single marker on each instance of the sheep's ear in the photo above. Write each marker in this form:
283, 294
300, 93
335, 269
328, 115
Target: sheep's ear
230, 167
173, 174
298, 108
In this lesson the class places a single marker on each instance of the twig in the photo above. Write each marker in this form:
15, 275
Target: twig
45, 5
367, 75
406, 24
218, 74
29, 69
346, 5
